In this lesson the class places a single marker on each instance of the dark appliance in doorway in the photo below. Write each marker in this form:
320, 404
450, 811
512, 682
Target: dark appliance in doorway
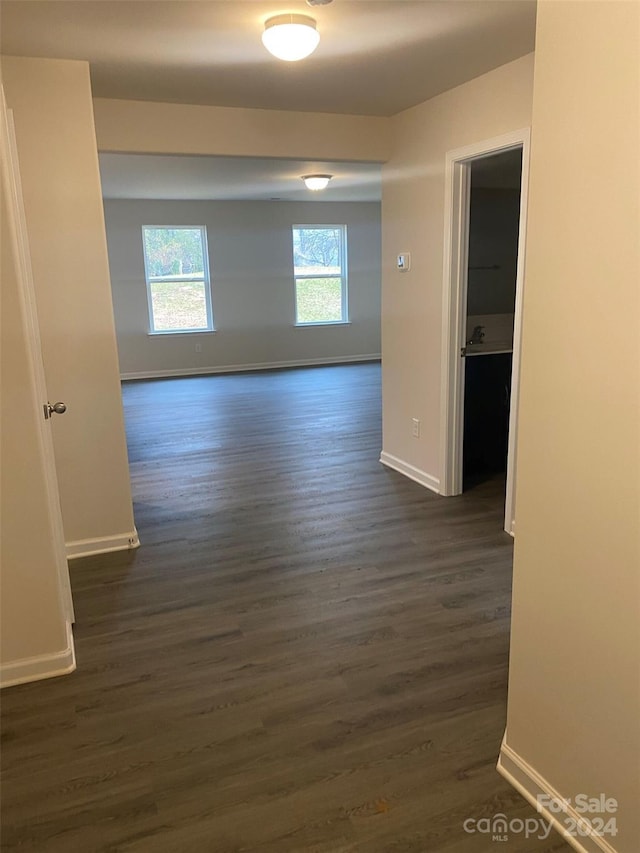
486, 416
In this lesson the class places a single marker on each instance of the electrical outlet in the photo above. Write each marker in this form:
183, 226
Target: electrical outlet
198, 347
415, 427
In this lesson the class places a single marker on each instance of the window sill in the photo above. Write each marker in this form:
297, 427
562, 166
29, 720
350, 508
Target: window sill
184, 332
322, 323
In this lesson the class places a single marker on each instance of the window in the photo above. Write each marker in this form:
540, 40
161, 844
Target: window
177, 273
319, 266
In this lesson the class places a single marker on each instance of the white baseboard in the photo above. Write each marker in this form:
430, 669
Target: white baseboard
411, 472
532, 785
41, 666
244, 368
104, 545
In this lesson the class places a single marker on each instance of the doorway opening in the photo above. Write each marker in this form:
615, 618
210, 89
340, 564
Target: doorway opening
485, 220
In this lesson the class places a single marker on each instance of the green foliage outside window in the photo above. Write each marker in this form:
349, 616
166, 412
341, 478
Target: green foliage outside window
174, 251
320, 275
177, 279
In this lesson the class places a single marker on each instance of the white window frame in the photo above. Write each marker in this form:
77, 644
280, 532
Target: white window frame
344, 290
205, 279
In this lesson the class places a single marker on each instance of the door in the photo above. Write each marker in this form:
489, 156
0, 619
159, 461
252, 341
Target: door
493, 231
43, 411
455, 324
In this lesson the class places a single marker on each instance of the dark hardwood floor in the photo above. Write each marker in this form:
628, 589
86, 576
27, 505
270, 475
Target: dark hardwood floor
308, 652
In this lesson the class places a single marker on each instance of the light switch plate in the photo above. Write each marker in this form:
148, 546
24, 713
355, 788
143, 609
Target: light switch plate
404, 262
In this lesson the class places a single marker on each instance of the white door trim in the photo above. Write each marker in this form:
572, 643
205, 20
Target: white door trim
456, 240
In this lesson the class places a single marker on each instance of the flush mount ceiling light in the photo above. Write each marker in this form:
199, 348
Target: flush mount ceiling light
290, 37
316, 182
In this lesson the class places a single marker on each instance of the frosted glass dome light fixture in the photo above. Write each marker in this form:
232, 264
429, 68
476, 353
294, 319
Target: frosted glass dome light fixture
316, 182
290, 37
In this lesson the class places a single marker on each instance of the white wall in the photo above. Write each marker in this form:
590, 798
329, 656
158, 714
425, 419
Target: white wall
413, 221
252, 284
51, 102
574, 686
149, 127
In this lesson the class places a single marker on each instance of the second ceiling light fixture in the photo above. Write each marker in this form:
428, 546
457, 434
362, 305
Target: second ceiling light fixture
316, 182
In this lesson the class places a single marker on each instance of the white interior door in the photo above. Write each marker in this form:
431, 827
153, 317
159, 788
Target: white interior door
29, 317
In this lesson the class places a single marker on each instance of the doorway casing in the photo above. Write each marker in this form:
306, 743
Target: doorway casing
456, 248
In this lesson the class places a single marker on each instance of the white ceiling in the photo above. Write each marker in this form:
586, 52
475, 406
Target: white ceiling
376, 57
178, 177
154, 176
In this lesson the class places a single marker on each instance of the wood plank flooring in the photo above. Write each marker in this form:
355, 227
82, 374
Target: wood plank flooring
308, 653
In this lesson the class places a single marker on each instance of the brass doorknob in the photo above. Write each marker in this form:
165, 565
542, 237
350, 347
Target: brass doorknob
57, 409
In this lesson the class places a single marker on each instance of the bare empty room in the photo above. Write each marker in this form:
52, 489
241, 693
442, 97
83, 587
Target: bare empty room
248, 600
